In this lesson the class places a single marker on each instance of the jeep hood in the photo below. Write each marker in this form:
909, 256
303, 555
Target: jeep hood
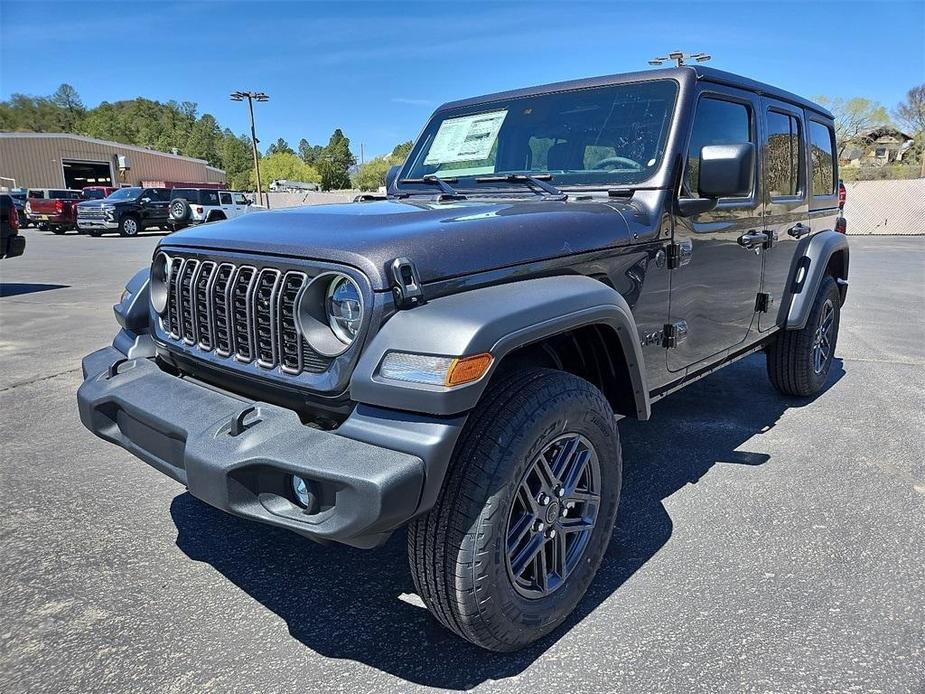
443, 239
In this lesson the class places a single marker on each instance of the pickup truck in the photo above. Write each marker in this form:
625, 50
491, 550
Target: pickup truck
54, 209
455, 358
127, 210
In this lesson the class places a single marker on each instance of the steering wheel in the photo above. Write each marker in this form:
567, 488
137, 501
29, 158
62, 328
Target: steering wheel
618, 162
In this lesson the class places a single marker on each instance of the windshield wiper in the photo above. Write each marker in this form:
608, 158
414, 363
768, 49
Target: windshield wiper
551, 191
448, 190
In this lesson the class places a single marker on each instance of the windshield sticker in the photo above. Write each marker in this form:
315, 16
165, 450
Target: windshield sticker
469, 138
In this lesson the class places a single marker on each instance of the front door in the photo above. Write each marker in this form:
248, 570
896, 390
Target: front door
786, 207
713, 295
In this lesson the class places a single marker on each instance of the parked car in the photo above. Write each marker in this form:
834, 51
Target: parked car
97, 192
19, 199
455, 358
127, 210
189, 206
53, 208
11, 243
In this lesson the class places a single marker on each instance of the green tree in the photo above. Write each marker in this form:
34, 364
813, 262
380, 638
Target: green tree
911, 115
237, 159
371, 175
334, 165
854, 119
71, 108
280, 147
309, 153
285, 166
205, 140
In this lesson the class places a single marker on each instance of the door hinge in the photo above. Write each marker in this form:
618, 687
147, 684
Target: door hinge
674, 334
770, 240
406, 284
763, 302
678, 254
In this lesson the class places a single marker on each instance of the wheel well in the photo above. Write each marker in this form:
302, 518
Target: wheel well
591, 352
214, 214
837, 267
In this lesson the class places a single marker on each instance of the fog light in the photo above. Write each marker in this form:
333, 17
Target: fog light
300, 489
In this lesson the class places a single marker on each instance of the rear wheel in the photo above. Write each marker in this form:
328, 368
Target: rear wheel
58, 230
129, 225
526, 511
799, 360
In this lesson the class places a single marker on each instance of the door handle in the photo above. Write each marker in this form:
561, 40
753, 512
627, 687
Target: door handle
752, 239
798, 230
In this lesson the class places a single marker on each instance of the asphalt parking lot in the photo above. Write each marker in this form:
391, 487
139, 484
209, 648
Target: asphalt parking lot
763, 543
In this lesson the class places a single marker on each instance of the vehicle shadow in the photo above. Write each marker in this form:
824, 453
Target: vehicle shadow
345, 603
20, 288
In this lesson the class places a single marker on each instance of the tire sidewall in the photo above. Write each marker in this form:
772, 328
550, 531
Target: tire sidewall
828, 290
568, 412
127, 220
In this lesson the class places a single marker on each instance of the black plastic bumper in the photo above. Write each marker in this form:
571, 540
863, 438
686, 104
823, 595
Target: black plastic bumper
188, 432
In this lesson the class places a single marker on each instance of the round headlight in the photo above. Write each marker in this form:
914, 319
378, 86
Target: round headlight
330, 313
160, 276
344, 307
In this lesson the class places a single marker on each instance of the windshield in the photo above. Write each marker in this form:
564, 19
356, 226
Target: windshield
605, 136
125, 194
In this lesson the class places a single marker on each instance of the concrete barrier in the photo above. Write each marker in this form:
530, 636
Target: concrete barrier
872, 207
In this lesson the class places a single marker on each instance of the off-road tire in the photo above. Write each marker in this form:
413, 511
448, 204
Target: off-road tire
180, 211
126, 227
458, 551
790, 357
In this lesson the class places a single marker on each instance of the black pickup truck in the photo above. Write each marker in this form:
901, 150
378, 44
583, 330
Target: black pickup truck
126, 210
455, 357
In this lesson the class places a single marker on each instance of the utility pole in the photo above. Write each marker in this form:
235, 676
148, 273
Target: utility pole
251, 98
679, 58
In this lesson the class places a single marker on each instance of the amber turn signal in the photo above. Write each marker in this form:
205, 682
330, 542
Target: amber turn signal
468, 369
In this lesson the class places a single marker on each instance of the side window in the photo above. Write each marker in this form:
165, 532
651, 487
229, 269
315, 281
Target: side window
225, 197
209, 197
784, 149
718, 122
239, 199
821, 140
150, 193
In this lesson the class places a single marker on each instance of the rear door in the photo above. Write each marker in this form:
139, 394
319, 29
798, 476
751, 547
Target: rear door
786, 203
713, 295
227, 204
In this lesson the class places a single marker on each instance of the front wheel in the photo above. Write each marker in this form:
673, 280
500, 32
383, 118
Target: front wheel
129, 226
526, 512
799, 360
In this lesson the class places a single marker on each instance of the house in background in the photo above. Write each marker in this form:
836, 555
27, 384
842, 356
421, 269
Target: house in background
877, 147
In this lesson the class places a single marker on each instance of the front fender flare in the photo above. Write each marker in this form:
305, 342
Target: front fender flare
813, 261
498, 320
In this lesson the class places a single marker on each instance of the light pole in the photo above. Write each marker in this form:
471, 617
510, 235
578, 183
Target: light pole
251, 98
680, 58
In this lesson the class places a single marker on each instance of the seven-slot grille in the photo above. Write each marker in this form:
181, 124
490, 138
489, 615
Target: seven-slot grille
240, 311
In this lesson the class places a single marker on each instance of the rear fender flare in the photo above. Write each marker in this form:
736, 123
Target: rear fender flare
809, 269
497, 319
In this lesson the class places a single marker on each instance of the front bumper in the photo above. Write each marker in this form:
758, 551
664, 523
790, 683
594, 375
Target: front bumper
96, 224
187, 431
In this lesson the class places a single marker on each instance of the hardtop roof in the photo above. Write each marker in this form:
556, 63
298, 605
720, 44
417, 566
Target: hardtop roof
684, 74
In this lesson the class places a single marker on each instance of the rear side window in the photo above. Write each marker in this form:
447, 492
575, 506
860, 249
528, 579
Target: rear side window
186, 193
208, 197
64, 195
226, 198
784, 149
36, 193
718, 122
821, 140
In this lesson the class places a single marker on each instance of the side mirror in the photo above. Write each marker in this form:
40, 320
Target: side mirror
145, 201
390, 176
726, 170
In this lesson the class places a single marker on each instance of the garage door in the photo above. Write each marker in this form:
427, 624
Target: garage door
78, 174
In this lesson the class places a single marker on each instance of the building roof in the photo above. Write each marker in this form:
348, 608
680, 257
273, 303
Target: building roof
119, 145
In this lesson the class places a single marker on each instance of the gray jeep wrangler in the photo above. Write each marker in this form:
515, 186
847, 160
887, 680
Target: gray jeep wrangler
454, 356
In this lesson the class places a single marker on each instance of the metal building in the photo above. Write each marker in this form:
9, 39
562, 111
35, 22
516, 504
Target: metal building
56, 160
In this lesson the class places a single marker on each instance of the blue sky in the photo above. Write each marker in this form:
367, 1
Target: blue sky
377, 70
